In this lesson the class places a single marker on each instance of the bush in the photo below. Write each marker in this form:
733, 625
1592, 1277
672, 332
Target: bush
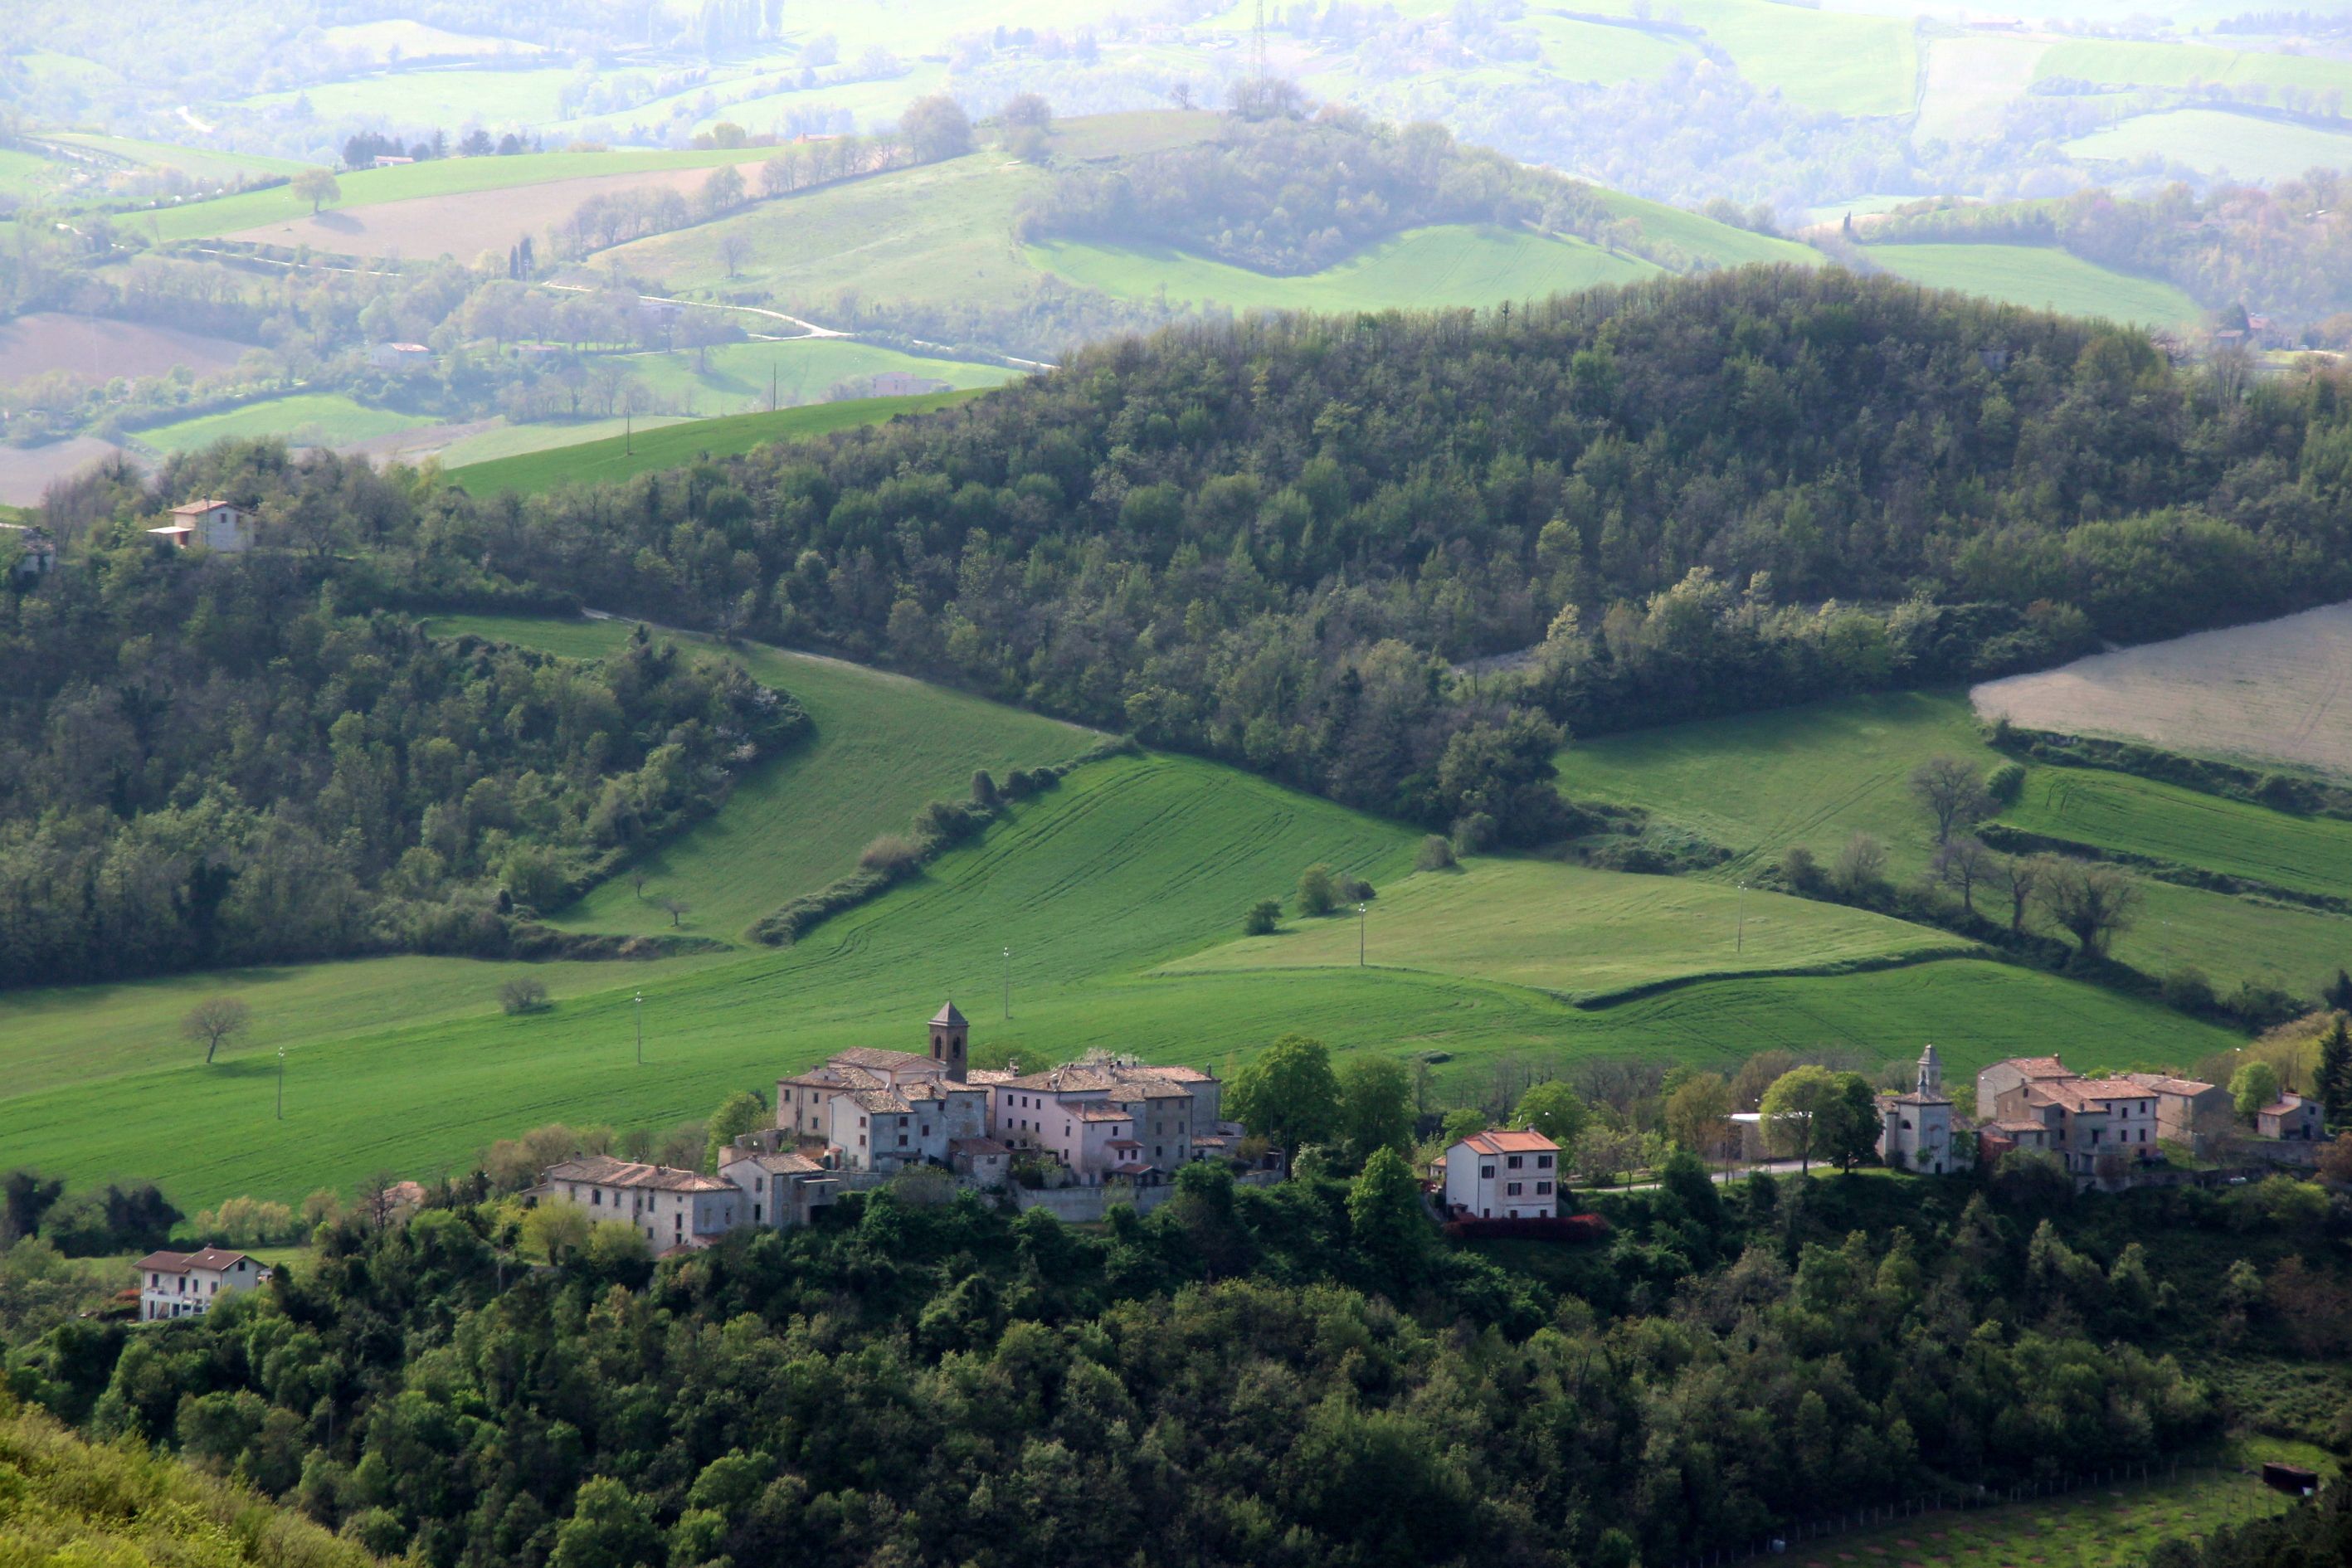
1355, 889
2005, 783
523, 996
1860, 866
1473, 832
892, 852
1262, 919
2187, 988
1436, 854
983, 788
1318, 894
1800, 869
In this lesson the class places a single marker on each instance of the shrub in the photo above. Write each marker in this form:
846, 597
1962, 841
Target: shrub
983, 788
892, 852
1436, 854
1318, 894
1355, 889
1860, 866
1263, 916
1473, 832
1800, 869
2005, 783
523, 996
2187, 988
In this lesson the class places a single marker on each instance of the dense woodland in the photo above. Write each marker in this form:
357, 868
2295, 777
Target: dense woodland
1297, 1375
1267, 542
224, 760
2277, 252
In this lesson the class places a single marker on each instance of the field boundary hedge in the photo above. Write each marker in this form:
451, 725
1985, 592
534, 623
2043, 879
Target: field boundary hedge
937, 829
2019, 840
2287, 792
1599, 1000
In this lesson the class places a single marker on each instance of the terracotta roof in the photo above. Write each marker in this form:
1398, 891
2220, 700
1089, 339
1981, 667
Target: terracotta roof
603, 1170
783, 1163
977, 1148
947, 1018
1511, 1141
881, 1061
989, 1077
1122, 1144
199, 507
884, 1101
2038, 1067
2286, 1105
1181, 1074
212, 1258
2019, 1126
2188, 1087
1103, 1113
1916, 1098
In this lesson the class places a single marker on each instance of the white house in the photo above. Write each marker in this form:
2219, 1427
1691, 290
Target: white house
208, 525
673, 1208
186, 1284
1503, 1174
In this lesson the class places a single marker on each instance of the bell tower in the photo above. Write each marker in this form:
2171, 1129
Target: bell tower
1931, 1072
950, 1036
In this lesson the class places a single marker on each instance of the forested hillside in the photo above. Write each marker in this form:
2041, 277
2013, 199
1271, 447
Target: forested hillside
1266, 541
1300, 1375
216, 759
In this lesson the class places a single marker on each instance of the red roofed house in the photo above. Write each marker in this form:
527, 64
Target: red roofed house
208, 525
186, 1284
1501, 1174
674, 1209
2078, 1118
2291, 1116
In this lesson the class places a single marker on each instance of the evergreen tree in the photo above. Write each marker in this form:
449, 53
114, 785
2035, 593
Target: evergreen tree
2335, 1072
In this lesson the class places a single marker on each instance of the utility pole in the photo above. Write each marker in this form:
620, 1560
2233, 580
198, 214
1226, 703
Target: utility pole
1008, 984
1739, 931
1359, 936
771, 388
641, 1028
1257, 43
629, 449
282, 1083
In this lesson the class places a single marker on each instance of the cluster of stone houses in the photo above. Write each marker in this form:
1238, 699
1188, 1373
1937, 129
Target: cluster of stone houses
867, 1114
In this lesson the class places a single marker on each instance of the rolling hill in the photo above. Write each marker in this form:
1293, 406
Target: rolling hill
2039, 278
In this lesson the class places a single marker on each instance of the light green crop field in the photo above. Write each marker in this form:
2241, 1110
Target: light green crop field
1426, 269
884, 746
1581, 933
434, 177
2115, 62
2039, 278
1703, 239
674, 444
1844, 62
497, 97
2214, 141
543, 436
2141, 817
304, 420
1817, 774
28, 176
196, 163
1576, 51
737, 378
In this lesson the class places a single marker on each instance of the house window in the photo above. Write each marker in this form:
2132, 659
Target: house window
927, 1130
1543, 1189
1485, 1172
1512, 1189
1543, 1161
1512, 1160
596, 1198
755, 1214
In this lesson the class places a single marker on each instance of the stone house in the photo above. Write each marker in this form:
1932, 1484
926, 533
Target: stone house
2188, 1112
781, 1187
2292, 1118
1105, 1116
2081, 1120
674, 1209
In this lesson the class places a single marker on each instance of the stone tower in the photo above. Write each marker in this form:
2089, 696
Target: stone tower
1931, 1072
951, 1034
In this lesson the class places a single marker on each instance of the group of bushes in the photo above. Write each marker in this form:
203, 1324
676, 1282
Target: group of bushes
1321, 892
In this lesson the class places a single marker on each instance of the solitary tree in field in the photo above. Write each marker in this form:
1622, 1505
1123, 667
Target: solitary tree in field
1952, 792
2092, 903
734, 246
1318, 894
215, 1021
318, 187
676, 908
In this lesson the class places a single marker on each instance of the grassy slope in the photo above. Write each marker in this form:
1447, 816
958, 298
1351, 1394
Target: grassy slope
2213, 141
1434, 267
312, 418
2115, 62
436, 177
648, 452
1576, 51
1703, 237
2040, 278
2141, 817
734, 378
542, 435
884, 746
1579, 932
1817, 774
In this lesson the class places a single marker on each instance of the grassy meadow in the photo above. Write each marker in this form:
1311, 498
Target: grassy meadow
2142, 816
1439, 266
2216, 141
303, 419
2039, 278
674, 443
737, 378
1118, 894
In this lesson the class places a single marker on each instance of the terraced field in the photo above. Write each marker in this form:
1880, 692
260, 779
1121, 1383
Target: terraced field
2039, 278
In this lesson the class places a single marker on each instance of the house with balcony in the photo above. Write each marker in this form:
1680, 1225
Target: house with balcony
186, 1284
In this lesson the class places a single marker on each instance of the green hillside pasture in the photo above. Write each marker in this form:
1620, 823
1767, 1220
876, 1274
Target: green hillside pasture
305, 419
543, 436
1816, 775
1701, 238
500, 99
2116, 63
1576, 51
28, 176
1435, 267
735, 378
1971, 77
2039, 278
884, 746
1130, 864
2216, 141
196, 163
2141, 817
674, 444
1844, 62
434, 177
1582, 933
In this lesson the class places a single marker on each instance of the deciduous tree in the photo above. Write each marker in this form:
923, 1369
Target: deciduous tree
215, 1022
1288, 1093
1953, 791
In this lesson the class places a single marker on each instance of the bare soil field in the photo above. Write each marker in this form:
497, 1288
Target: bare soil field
465, 224
416, 444
26, 471
92, 349
2275, 691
